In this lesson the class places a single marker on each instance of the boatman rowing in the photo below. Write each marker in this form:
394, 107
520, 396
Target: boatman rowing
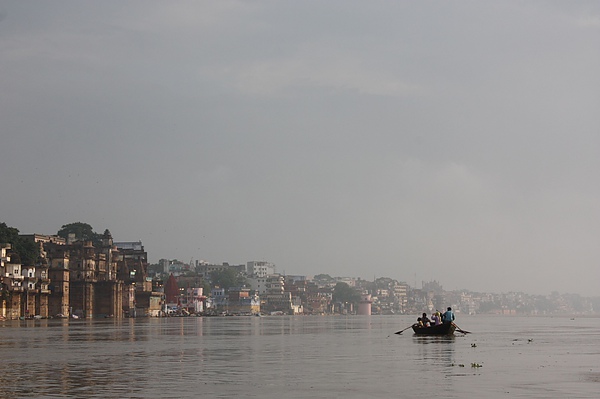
448, 316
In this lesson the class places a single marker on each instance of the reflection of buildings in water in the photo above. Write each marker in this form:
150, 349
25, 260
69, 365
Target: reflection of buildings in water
199, 326
131, 334
64, 380
365, 323
69, 380
179, 326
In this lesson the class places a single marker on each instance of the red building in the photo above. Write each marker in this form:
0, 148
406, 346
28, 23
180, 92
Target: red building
172, 290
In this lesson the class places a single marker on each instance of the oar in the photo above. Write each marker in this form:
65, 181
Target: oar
460, 329
400, 332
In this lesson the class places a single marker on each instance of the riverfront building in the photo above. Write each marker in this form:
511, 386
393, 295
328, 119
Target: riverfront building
24, 288
78, 278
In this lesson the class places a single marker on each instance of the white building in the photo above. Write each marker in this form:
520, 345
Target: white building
258, 284
28, 273
271, 284
194, 299
4, 258
259, 268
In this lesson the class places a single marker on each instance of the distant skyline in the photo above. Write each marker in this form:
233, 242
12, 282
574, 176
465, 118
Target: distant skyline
455, 141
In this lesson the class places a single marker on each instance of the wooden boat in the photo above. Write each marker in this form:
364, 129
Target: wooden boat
442, 329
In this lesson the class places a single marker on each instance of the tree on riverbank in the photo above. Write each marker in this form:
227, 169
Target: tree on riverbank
227, 278
343, 293
27, 251
82, 231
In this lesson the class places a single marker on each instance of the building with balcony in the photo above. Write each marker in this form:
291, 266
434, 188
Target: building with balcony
83, 278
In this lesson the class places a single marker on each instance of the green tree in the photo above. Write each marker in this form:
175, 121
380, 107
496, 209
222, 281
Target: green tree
27, 250
8, 234
227, 278
82, 231
343, 293
323, 278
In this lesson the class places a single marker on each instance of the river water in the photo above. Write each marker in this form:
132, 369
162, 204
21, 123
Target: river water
299, 357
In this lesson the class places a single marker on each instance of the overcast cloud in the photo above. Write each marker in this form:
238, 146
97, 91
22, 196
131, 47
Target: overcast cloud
456, 141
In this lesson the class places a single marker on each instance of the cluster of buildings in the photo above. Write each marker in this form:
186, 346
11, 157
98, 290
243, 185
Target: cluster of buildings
272, 293
263, 291
77, 278
86, 279
431, 296
267, 292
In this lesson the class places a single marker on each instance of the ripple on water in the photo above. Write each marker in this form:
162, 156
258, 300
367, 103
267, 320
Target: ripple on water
296, 357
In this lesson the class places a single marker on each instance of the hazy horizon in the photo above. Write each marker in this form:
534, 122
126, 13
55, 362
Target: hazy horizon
455, 142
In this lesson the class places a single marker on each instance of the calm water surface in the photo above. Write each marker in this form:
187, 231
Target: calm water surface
299, 357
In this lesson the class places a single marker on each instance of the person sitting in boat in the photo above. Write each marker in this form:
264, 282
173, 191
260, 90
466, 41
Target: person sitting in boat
448, 317
436, 318
425, 320
419, 322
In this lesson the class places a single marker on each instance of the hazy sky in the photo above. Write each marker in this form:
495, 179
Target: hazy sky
457, 141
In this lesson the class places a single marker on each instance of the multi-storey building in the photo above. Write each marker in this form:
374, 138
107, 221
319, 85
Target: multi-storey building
90, 279
58, 273
258, 284
400, 292
6, 280
134, 272
276, 298
318, 299
13, 285
94, 289
259, 268
24, 288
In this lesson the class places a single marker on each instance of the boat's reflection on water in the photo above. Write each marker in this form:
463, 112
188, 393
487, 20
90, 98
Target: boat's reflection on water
435, 352
433, 339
